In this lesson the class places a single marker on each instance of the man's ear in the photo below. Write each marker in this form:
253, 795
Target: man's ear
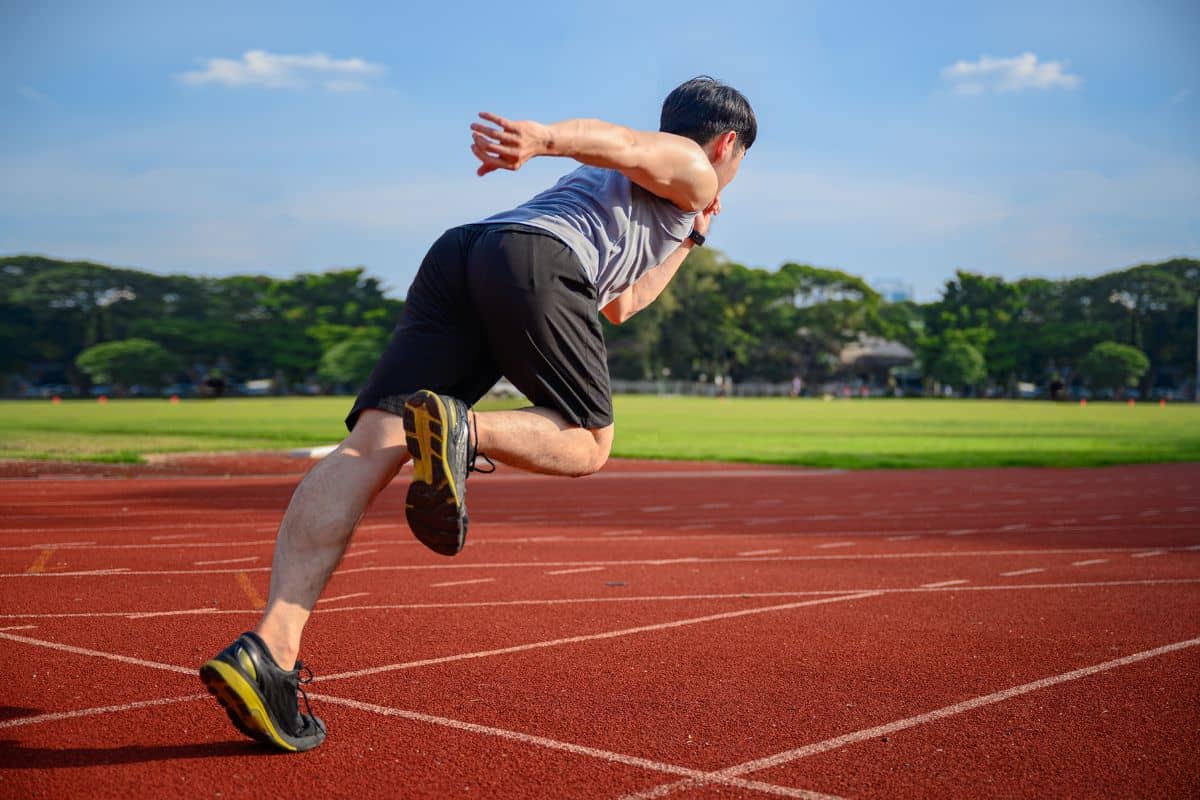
726, 144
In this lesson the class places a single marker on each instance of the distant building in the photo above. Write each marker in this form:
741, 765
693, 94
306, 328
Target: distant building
893, 290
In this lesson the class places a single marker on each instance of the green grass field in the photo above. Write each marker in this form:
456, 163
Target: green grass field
848, 433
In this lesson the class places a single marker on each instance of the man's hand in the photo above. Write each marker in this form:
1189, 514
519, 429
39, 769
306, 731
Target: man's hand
510, 145
704, 218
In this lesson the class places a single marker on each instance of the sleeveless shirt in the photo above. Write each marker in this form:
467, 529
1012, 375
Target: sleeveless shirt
617, 229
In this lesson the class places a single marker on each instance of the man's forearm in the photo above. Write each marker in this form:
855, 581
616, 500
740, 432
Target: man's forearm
648, 287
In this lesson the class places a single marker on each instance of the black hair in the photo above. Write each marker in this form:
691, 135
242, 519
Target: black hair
704, 107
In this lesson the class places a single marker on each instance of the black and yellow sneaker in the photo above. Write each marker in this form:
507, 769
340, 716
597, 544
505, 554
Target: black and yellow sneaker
260, 696
439, 439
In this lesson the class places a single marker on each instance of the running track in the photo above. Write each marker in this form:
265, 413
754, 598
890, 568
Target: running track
658, 630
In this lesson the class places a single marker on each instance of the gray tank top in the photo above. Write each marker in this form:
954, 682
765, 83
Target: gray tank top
617, 229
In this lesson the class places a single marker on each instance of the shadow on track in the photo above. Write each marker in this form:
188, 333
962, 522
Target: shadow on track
13, 755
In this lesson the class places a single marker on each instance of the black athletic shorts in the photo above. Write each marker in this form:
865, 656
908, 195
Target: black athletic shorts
491, 300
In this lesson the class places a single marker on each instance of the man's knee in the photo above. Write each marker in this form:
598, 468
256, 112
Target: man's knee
379, 437
602, 439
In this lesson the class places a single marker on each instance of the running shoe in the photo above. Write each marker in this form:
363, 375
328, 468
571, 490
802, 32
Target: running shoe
439, 440
260, 696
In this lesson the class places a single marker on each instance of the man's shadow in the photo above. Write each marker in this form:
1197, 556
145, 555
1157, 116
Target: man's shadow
14, 755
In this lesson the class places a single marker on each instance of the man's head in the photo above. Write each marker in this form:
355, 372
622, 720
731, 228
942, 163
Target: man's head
715, 116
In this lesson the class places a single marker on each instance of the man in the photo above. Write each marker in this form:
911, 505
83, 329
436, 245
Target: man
516, 295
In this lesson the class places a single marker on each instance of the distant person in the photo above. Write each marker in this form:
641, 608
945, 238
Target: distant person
797, 386
517, 295
214, 382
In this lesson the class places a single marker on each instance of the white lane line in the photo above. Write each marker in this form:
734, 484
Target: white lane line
341, 597
1109, 517
463, 583
696, 526
1029, 571
614, 599
1089, 562
1149, 554
955, 582
596, 514
175, 536
125, 572
574, 571
656, 509
245, 560
19, 628
767, 502
902, 538
83, 651
829, 545
838, 742
184, 612
91, 712
622, 532
760, 552
962, 532
56, 545
575, 749
1016, 526
1153, 512
359, 553
714, 505
679, 623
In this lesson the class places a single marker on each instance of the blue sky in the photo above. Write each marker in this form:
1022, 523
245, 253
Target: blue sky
895, 140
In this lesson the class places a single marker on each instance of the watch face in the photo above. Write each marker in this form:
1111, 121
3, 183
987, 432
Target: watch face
697, 237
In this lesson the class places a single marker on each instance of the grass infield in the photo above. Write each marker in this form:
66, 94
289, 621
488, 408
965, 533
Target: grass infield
843, 433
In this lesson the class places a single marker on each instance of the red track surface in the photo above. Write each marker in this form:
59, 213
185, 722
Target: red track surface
659, 630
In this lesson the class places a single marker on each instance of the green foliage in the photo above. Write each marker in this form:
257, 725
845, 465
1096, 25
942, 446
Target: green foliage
959, 364
127, 362
350, 360
1110, 365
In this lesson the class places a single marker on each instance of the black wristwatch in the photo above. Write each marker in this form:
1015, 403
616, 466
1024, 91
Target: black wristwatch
697, 237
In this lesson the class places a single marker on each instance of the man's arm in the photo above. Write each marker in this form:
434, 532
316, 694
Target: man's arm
647, 288
670, 166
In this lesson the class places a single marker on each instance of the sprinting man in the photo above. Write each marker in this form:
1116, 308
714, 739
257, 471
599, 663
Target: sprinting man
515, 295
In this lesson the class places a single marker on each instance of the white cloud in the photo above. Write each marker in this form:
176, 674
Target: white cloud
1014, 74
265, 70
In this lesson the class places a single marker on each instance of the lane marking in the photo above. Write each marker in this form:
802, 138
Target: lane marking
1150, 554
622, 532
1089, 562
341, 597
1109, 517
573, 571
760, 552
83, 651
618, 599
1016, 526
19, 628
838, 742
243, 580
902, 538
714, 505
56, 544
463, 583
954, 582
596, 514
656, 509
359, 553
175, 536
245, 560
520, 648
39, 563
187, 611
574, 749
962, 532
626, 562
696, 526
1029, 571
91, 712
835, 544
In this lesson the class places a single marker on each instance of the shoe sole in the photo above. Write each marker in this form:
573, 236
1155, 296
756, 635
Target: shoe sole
434, 503
242, 703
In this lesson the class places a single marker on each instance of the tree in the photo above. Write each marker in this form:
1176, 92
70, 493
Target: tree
960, 364
351, 360
1110, 365
127, 362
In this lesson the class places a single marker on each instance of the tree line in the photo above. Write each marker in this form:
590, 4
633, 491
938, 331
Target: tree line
76, 321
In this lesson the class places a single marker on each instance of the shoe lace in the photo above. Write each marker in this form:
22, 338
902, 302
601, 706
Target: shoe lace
473, 451
304, 677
